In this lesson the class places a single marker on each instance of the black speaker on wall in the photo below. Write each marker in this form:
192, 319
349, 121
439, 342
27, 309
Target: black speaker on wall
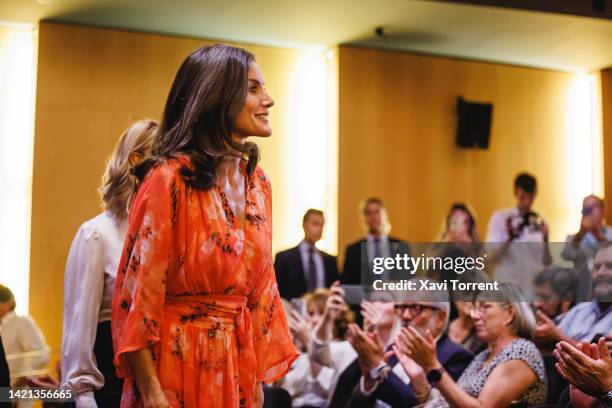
473, 124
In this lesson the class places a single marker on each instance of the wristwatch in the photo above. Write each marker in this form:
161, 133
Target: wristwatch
435, 375
376, 371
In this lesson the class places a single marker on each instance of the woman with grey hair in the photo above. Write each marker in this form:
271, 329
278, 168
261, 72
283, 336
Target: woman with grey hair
510, 370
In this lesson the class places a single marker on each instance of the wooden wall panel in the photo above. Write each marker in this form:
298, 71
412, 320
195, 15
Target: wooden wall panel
606, 104
397, 139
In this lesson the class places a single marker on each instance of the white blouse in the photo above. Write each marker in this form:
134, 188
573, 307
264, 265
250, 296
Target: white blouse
89, 282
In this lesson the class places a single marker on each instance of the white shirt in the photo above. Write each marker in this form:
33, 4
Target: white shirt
27, 353
318, 261
89, 282
524, 257
306, 390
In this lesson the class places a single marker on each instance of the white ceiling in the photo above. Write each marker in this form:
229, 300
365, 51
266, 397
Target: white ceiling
528, 38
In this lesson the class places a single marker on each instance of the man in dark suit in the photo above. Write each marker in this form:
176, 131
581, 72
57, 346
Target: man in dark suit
369, 378
360, 254
305, 268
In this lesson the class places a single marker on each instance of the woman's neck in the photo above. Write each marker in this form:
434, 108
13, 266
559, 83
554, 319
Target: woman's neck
497, 346
228, 167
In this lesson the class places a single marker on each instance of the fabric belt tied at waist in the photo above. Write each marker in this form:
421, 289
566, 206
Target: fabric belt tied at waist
224, 311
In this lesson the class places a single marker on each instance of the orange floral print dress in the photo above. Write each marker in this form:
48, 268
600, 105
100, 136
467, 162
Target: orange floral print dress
199, 290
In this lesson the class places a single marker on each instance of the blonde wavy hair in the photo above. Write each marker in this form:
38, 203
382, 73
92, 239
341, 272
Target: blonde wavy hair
118, 182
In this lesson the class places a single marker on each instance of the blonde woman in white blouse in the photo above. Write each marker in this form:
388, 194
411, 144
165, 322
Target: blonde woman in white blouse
89, 281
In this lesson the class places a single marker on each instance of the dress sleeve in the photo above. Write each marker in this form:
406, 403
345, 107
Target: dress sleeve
274, 349
84, 275
140, 287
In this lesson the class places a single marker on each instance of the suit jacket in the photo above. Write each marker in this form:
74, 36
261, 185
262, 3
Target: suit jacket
393, 390
355, 259
290, 272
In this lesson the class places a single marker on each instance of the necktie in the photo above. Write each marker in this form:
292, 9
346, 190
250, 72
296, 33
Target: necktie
311, 277
377, 252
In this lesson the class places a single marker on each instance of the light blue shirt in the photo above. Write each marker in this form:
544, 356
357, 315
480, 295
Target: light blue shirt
585, 320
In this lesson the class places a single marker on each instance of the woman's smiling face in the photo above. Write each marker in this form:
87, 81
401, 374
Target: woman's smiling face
253, 118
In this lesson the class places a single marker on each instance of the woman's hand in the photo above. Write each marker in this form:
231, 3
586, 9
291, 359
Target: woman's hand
420, 349
145, 376
301, 328
335, 304
155, 398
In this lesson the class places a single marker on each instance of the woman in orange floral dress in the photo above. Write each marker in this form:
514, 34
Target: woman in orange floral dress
197, 317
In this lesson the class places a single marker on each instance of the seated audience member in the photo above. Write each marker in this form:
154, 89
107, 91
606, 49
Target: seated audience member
377, 243
27, 353
518, 263
385, 380
458, 238
587, 319
378, 316
554, 294
305, 268
460, 226
581, 247
588, 368
509, 370
309, 382
462, 330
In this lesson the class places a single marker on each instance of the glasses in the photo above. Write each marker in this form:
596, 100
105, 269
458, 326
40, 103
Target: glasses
483, 308
415, 308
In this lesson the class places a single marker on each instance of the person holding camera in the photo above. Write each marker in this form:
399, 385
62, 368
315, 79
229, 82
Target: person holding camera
309, 382
581, 247
518, 237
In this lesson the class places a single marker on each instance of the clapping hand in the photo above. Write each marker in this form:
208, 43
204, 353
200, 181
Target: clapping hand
587, 366
422, 349
372, 315
368, 346
418, 377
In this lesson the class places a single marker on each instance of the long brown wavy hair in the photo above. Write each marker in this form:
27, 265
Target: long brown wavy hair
206, 97
118, 182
